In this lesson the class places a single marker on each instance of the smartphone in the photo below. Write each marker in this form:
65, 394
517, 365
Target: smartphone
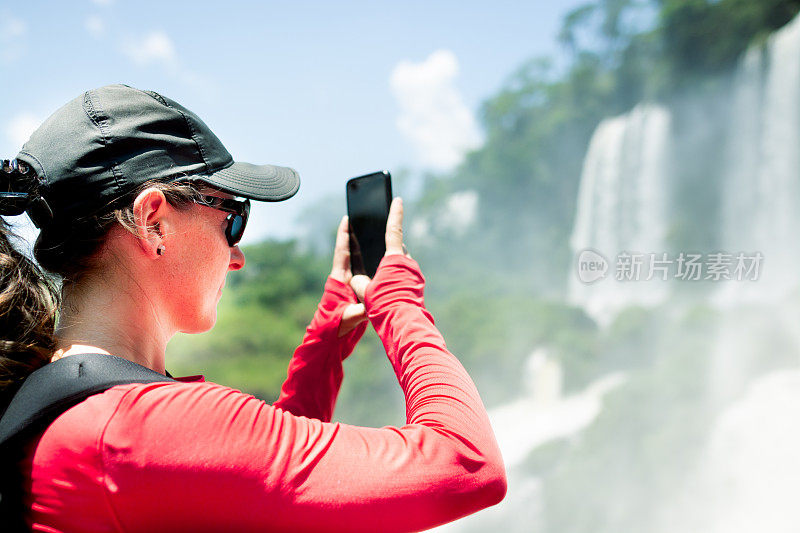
368, 200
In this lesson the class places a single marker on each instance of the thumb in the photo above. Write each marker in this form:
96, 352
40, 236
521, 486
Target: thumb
359, 284
394, 228
353, 315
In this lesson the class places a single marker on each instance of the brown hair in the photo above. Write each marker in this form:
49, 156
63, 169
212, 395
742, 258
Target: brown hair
30, 294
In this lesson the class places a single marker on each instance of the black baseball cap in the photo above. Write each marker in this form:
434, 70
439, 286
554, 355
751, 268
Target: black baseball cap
108, 141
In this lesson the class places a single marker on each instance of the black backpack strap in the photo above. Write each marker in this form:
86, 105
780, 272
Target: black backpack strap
57, 386
43, 396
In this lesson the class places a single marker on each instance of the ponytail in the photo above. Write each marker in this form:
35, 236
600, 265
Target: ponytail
28, 303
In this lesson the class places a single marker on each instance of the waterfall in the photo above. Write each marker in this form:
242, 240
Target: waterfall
715, 389
752, 459
625, 191
746, 469
760, 201
749, 469
622, 207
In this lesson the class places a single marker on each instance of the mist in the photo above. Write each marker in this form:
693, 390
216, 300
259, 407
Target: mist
678, 412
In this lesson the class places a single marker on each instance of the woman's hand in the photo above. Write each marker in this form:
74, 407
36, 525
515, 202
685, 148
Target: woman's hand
353, 314
394, 245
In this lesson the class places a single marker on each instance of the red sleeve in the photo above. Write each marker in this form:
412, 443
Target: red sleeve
315, 371
205, 457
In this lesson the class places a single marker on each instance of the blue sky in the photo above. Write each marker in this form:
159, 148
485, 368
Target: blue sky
333, 89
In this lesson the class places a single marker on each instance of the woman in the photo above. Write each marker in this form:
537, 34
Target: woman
135, 199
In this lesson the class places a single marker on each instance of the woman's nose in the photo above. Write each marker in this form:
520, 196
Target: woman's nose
237, 259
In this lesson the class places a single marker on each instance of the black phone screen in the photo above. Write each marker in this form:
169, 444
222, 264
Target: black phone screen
368, 200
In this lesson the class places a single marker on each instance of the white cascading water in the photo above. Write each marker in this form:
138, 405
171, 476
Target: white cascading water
761, 189
751, 467
623, 206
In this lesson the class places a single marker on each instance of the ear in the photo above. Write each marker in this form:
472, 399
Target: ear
149, 215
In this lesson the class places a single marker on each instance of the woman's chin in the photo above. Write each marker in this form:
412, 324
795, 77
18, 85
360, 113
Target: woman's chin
203, 323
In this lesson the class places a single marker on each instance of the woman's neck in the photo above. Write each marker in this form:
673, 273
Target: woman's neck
117, 318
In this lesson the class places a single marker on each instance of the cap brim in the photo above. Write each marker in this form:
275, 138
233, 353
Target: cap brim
265, 183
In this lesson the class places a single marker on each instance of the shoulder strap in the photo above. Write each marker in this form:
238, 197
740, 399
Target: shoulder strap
57, 386
43, 396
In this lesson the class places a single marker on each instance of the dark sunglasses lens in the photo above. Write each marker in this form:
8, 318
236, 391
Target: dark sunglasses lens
235, 229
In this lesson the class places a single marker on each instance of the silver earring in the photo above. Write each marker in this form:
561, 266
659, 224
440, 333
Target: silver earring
161, 249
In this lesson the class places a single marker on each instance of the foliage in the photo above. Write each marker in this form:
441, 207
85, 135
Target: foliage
703, 37
493, 337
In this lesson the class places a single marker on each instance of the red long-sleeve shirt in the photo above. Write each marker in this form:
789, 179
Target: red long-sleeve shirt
197, 456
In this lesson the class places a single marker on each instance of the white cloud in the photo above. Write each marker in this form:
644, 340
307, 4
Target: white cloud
420, 232
19, 129
433, 115
459, 212
12, 30
95, 25
155, 47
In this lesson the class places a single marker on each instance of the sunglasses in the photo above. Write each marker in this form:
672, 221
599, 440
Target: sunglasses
237, 219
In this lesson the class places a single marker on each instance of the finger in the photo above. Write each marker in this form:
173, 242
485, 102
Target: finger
353, 315
359, 284
341, 251
394, 228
